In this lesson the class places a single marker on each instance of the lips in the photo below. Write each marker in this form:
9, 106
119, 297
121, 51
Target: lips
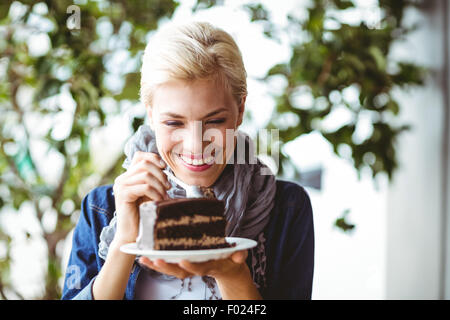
196, 163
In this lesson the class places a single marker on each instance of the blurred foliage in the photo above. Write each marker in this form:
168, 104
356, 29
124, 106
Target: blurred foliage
76, 65
334, 57
335, 62
338, 60
342, 222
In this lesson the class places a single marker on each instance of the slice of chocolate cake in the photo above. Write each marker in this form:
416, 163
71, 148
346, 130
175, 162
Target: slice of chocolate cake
182, 224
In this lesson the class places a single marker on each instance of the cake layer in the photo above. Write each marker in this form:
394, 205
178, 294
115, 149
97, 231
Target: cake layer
187, 220
177, 208
194, 247
194, 231
204, 242
182, 224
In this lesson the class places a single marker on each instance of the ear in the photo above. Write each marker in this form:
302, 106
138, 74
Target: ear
241, 111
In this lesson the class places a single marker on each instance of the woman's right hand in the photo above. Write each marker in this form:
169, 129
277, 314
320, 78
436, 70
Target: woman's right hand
143, 181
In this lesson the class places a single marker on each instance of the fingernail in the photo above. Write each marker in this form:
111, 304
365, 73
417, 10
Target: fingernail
182, 263
162, 163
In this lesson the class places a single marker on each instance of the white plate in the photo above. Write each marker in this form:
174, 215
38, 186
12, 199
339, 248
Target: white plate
175, 256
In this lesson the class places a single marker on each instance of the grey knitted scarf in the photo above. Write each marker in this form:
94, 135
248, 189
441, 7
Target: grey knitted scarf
244, 185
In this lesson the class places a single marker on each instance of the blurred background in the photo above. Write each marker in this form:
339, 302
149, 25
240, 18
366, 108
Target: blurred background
359, 91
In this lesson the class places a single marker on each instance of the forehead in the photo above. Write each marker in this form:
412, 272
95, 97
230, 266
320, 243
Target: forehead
192, 98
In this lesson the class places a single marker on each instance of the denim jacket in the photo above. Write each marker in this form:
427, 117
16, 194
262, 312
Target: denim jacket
289, 246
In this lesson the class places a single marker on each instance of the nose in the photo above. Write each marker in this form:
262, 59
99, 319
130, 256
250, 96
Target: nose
193, 141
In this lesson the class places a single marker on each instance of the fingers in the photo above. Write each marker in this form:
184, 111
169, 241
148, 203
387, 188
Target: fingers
184, 268
199, 269
149, 166
129, 194
148, 178
166, 268
216, 267
239, 256
142, 190
146, 169
151, 156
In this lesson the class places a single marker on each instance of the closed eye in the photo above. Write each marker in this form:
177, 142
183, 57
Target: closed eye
175, 123
172, 123
215, 121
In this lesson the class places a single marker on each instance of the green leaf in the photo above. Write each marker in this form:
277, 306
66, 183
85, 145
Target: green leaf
48, 88
281, 69
206, 4
343, 4
379, 58
343, 224
131, 88
257, 12
137, 122
393, 106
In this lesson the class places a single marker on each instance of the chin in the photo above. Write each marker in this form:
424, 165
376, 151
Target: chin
195, 178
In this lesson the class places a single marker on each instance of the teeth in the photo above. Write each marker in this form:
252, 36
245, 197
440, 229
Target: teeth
197, 162
185, 159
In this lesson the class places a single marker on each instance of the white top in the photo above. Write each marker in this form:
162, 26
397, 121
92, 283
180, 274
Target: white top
155, 286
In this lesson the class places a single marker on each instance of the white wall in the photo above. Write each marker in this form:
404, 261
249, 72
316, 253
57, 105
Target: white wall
415, 197
446, 158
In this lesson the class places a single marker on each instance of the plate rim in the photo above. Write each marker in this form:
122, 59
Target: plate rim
131, 248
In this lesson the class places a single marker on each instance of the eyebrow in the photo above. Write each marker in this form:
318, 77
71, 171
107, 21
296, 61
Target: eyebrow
179, 116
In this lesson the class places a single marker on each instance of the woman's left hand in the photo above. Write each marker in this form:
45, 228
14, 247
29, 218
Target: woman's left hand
232, 274
221, 269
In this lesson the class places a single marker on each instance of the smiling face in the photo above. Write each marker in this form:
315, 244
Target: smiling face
190, 121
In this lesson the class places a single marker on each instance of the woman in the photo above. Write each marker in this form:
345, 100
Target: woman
193, 85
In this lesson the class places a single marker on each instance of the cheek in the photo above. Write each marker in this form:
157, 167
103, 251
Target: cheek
229, 139
217, 138
164, 141
222, 143
226, 139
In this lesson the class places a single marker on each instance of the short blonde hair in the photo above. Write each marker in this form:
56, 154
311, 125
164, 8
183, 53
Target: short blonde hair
192, 51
